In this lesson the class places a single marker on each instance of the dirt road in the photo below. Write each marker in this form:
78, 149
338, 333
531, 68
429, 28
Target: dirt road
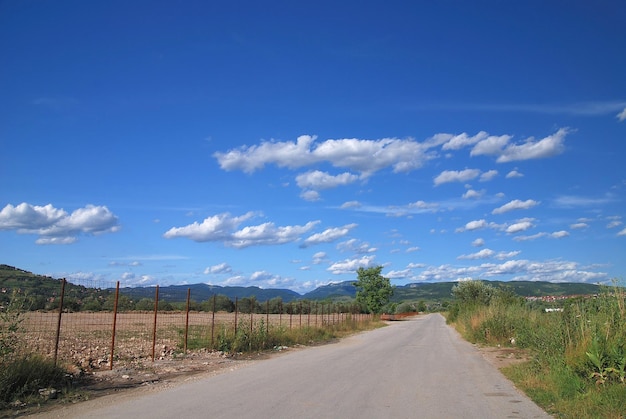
418, 368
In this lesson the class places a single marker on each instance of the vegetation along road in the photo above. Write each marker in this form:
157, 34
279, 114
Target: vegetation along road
418, 368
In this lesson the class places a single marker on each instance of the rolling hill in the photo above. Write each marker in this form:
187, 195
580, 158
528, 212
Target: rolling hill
46, 288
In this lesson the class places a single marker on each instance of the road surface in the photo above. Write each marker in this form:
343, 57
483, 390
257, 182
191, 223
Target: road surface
417, 368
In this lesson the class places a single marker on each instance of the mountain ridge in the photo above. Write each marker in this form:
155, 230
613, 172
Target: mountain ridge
11, 277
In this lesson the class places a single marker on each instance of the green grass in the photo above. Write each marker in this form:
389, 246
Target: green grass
23, 377
260, 337
578, 355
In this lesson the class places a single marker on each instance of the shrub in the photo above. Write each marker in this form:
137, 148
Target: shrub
25, 376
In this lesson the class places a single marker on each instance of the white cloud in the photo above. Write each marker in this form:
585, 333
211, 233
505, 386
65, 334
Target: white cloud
405, 273
222, 268
578, 226
268, 234
472, 194
319, 257
356, 246
488, 175
622, 232
56, 226
221, 227
214, 228
515, 205
317, 180
350, 204
473, 225
310, 196
462, 140
521, 225
456, 176
490, 146
351, 265
514, 174
482, 254
528, 149
570, 201
329, 235
365, 156
559, 234
622, 115
478, 242
413, 249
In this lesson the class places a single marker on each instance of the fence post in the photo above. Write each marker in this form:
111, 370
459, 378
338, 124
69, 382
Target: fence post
236, 309
213, 322
300, 308
117, 296
308, 321
56, 343
154, 324
187, 322
290, 314
267, 319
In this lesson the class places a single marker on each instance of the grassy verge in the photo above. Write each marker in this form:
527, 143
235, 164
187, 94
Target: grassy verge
578, 355
260, 337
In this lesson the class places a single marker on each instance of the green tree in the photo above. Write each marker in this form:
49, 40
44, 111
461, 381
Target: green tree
373, 289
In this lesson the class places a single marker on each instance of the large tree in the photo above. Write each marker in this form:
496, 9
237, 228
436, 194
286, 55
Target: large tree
373, 289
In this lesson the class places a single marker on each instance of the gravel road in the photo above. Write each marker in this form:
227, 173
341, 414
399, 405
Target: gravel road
417, 368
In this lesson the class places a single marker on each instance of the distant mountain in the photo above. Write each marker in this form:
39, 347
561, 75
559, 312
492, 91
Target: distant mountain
45, 287
203, 292
338, 291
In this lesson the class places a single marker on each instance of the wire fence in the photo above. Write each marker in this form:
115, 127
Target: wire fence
95, 340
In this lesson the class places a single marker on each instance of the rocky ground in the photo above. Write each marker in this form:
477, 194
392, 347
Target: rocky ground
138, 376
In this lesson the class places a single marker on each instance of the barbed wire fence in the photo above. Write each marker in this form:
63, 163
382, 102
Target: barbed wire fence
173, 325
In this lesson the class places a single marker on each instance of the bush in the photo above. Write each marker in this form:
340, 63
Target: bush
25, 376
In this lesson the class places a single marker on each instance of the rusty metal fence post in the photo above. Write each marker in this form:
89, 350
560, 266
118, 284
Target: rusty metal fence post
58, 335
213, 322
187, 321
154, 324
236, 310
117, 295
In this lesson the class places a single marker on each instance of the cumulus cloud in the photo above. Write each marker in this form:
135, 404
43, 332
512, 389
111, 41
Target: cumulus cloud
578, 226
515, 205
478, 242
317, 180
222, 268
350, 204
355, 246
528, 149
519, 226
351, 265
56, 226
622, 232
473, 225
622, 115
488, 175
222, 227
456, 176
457, 142
214, 228
472, 194
513, 174
319, 258
328, 235
482, 254
364, 156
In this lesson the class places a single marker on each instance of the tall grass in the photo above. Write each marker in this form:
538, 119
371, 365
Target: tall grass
578, 355
262, 337
23, 375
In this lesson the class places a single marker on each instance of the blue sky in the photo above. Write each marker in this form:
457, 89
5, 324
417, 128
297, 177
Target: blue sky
286, 144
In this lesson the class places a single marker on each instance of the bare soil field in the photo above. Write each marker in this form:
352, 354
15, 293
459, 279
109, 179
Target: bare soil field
86, 339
